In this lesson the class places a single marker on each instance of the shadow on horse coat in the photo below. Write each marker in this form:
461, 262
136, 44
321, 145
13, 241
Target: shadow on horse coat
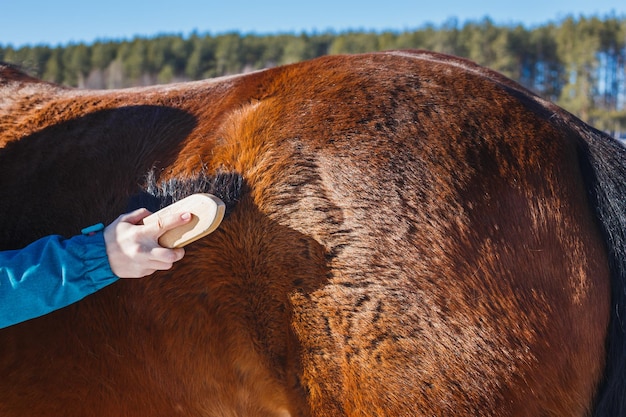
411, 235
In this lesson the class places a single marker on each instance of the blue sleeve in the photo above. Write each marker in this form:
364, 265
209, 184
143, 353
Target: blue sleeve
51, 273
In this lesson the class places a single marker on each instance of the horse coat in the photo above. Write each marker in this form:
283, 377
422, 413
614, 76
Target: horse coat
410, 234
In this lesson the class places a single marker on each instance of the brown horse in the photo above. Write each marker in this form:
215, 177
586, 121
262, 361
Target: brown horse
410, 235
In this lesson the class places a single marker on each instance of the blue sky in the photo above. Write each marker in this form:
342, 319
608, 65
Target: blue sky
54, 22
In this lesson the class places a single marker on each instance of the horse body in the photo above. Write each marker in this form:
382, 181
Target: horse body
416, 236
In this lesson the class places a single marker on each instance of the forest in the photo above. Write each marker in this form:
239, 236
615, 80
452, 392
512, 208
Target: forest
577, 62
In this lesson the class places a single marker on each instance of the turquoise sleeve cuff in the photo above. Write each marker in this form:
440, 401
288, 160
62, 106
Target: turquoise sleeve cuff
91, 249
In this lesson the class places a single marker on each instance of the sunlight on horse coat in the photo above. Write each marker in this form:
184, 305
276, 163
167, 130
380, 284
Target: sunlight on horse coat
410, 235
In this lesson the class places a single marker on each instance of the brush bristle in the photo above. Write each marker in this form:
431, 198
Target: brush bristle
228, 186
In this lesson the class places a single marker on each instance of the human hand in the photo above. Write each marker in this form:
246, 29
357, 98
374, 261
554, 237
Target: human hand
133, 248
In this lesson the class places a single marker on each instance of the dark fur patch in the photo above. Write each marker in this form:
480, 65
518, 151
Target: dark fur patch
228, 186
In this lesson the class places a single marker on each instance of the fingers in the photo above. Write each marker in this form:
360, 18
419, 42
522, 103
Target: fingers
161, 259
166, 256
130, 260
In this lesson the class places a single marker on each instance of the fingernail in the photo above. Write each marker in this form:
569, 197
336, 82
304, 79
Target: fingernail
186, 216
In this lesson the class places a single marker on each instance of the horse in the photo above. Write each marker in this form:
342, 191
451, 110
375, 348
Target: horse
409, 234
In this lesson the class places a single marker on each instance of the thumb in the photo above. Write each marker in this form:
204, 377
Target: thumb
166, 221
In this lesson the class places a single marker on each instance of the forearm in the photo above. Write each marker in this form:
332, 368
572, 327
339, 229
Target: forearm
49, 274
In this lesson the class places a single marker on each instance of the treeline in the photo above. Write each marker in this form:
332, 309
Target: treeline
578, 62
